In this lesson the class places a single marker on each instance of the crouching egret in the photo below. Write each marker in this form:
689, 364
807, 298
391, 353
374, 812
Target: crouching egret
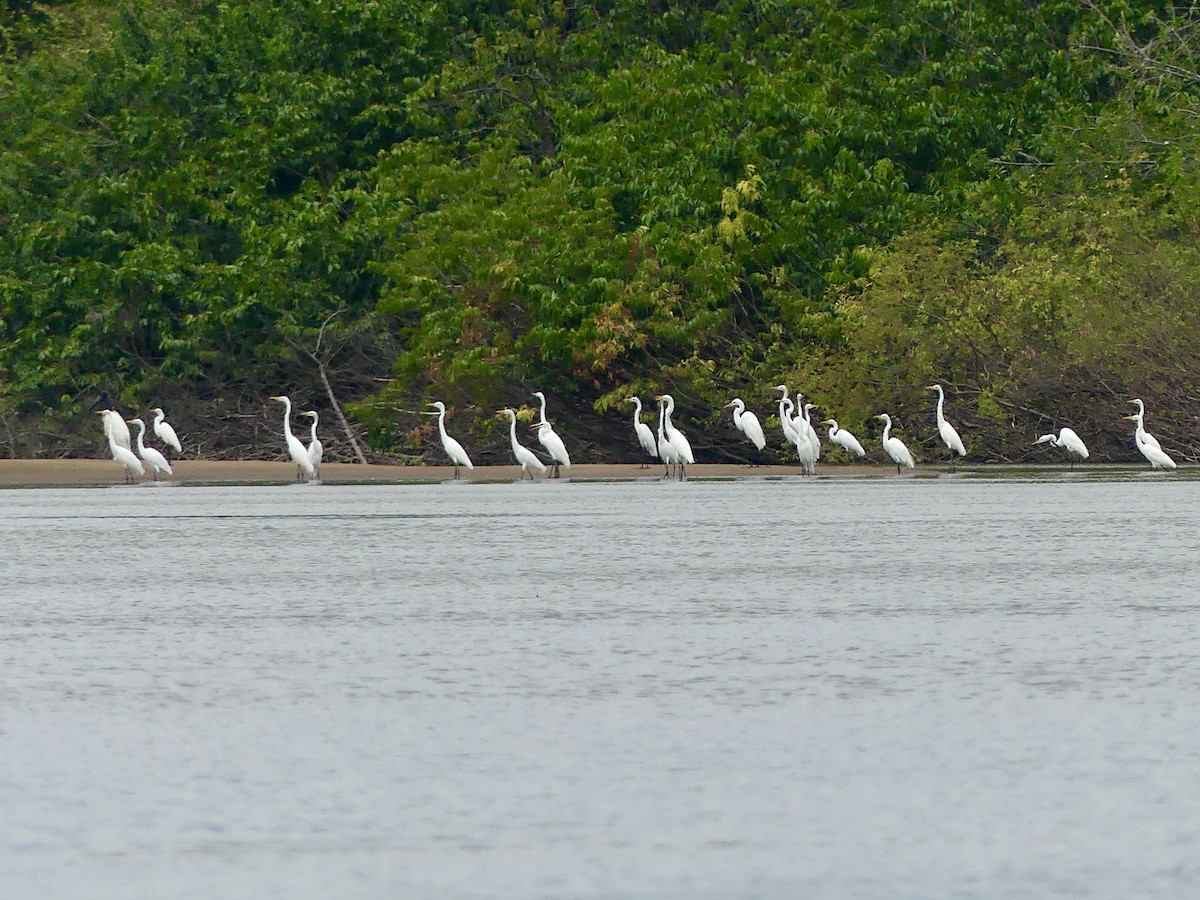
453, 448
155, 460
1068, 441
946, 431
524, 455
644, 435
894, 447
295, 449
844, 439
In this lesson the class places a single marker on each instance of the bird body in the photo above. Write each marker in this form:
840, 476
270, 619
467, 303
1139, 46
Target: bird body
453, 448
946, 431
644, 435
894, 447
549, 439
666, 451
747, 423
678, 441
1066, 440
525, 456
1148, 447
785, 415
295, 449
316, 450
1141, 417
164, 431
844, 439
123, 455
153, 458
116, 431
813, 437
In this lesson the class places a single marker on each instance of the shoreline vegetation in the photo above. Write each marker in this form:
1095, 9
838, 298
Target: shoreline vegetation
46, 473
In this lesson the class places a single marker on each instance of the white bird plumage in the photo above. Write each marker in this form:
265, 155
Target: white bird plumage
785, 417
164, 431
666, 451
152, 457
123, 455
677, 439
946, 431
549, 439
316, 450
453, 448
813, 437
644, 435
1068, 441
116, 431
804, 447
1147, 445
525, 457
844, 439
295, 449
894, 447
747, 423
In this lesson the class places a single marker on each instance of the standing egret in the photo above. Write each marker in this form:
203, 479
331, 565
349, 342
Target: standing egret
295, 449
1148, 446
549, 439
1146, 436
683, 449
315, 449
164, 431
844, 439
123, 455
1068, 441
644, 435
155, 460
666, 451
894, 447
813, 437
523, 454
785, 416
747, 423
949, 436
453, 448
796, 434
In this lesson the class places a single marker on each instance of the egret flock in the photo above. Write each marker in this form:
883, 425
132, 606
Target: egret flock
670, 446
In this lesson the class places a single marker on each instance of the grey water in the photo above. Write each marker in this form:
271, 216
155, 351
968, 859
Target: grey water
884, 687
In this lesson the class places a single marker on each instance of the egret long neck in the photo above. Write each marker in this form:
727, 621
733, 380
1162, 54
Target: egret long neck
287, 416
941, 399
141, 433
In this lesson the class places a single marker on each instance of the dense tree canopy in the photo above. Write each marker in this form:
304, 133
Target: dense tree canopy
379, 201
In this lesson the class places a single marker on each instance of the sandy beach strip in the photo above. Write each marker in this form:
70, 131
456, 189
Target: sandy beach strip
102, 472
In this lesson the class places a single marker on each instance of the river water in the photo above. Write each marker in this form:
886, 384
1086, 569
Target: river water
900, 687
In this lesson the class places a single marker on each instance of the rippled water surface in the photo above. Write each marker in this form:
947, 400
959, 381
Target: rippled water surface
843, 687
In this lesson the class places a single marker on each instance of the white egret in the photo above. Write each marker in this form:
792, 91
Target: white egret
844, 439
644, 435
666, 452
453, 448
683, 449
549, 439
123, 455
785, 416
115, 429
813, 437
949, 436
524, 455
316, 450
1146, 436
164, 431
1068, 441
155, 460
894, 447
795, 434
747, 423
295, 449
1149, 447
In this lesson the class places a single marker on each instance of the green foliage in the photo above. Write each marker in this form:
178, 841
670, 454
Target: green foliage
212, 200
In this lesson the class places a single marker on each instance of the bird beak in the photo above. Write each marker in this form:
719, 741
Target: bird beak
1131, 418
1134, 402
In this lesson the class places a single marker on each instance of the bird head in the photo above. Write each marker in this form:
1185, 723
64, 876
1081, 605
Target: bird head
1044, 439
280, 399
832, 422
439, 406
137, 422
